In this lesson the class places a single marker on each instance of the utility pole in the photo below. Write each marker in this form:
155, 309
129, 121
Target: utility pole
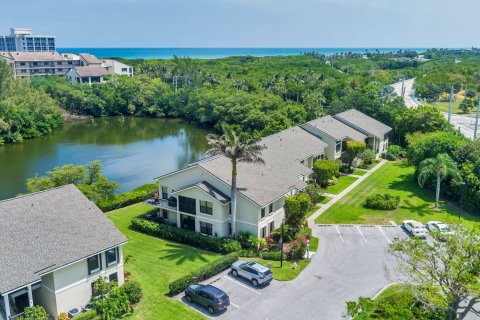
476, 121
281, 245
450, 106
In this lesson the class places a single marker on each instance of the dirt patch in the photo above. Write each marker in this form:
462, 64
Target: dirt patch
71, 117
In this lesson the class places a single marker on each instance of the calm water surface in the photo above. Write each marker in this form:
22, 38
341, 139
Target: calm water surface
133, 151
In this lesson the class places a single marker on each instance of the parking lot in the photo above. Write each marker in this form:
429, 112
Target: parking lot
350, 262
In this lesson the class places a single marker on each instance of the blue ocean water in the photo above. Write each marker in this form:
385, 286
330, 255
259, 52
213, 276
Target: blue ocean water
212, 53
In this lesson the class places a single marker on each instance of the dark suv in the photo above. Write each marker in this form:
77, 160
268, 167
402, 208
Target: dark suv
208, 296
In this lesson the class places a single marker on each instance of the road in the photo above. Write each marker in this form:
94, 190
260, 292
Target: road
466, 124
409, 96
350, 263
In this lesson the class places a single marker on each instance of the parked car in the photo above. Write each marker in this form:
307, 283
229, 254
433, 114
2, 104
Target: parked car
415, 228
440, 227
252, 271
208, 296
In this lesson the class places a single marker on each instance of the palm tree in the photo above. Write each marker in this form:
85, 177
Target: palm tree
237, 148
440, 167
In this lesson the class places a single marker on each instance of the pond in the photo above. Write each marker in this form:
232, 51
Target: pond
133, 151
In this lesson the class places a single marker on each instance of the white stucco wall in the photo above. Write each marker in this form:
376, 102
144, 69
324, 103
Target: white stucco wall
73, 284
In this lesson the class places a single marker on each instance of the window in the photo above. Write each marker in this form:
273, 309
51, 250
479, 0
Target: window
271, 226
165, 214
164, 192
206, 228
262, 214
206, 207
338, 147
94, 264
229, 229
270, 208
113, 277
263, 232
187, 205
124, 69
112, 256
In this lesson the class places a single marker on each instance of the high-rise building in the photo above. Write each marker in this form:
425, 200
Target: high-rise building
22, 40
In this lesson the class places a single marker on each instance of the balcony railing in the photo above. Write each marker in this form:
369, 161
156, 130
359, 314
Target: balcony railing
163, 203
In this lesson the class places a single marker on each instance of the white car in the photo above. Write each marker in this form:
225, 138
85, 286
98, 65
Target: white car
440, 227
415, 228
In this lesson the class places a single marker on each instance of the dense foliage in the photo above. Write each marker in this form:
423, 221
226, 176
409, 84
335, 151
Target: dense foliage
296, 208
192, 238
384, 201
34, 313
204, 272
395, 303
110, 301
464, 187
324, 171
121, 200
90, 180
24, 112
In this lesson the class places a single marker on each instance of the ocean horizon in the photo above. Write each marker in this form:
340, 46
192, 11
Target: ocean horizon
214, 53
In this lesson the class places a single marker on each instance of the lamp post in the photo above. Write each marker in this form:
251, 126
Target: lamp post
281, 245
476, 121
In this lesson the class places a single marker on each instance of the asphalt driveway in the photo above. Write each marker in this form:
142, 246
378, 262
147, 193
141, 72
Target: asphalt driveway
350, 262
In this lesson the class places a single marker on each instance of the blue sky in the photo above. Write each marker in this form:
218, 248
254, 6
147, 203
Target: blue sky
248, 23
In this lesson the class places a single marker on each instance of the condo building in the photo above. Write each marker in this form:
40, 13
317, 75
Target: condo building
22, 40
197, 197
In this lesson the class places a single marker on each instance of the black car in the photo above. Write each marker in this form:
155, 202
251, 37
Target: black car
208, 296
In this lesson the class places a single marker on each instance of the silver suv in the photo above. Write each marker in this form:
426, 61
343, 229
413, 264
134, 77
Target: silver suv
252, 271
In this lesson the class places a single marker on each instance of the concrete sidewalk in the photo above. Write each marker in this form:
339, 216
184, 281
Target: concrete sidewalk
335, 198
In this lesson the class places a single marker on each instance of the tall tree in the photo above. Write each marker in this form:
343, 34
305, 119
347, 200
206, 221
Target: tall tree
237, 148
444, 274
439, 167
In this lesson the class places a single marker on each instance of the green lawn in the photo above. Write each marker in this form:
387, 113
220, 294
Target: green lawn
359, 172
157, 262
444, 103
282, 274
395, 178
342, 183
325, 199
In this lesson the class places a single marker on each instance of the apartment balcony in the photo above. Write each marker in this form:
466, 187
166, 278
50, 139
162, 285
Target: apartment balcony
163, 203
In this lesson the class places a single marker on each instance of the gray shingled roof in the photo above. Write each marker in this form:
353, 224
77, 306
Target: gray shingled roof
363, 122
91, 71
211, 190
90, 58
263, 183
32, 56
44, 231
335, 129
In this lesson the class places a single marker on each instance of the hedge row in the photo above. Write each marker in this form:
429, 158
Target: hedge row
205, 272
139, 194
382, 201
220, 245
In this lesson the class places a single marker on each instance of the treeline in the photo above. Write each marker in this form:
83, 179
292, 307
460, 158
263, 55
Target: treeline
259, 95
24, 111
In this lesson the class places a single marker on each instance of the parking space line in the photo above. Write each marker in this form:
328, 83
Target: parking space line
241, 284
339, 234
383, 233
233, 304
361, 234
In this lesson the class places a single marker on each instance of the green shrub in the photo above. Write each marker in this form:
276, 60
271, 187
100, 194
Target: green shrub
133, 291
382, 201
247, 240
325, 170
297, 249
314, 192
113, 305
139, 194
89, 315
34, 313
394, 152
205, 272
272, 255
296, 208
345, 168
248, 253
367, 156
220, 245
